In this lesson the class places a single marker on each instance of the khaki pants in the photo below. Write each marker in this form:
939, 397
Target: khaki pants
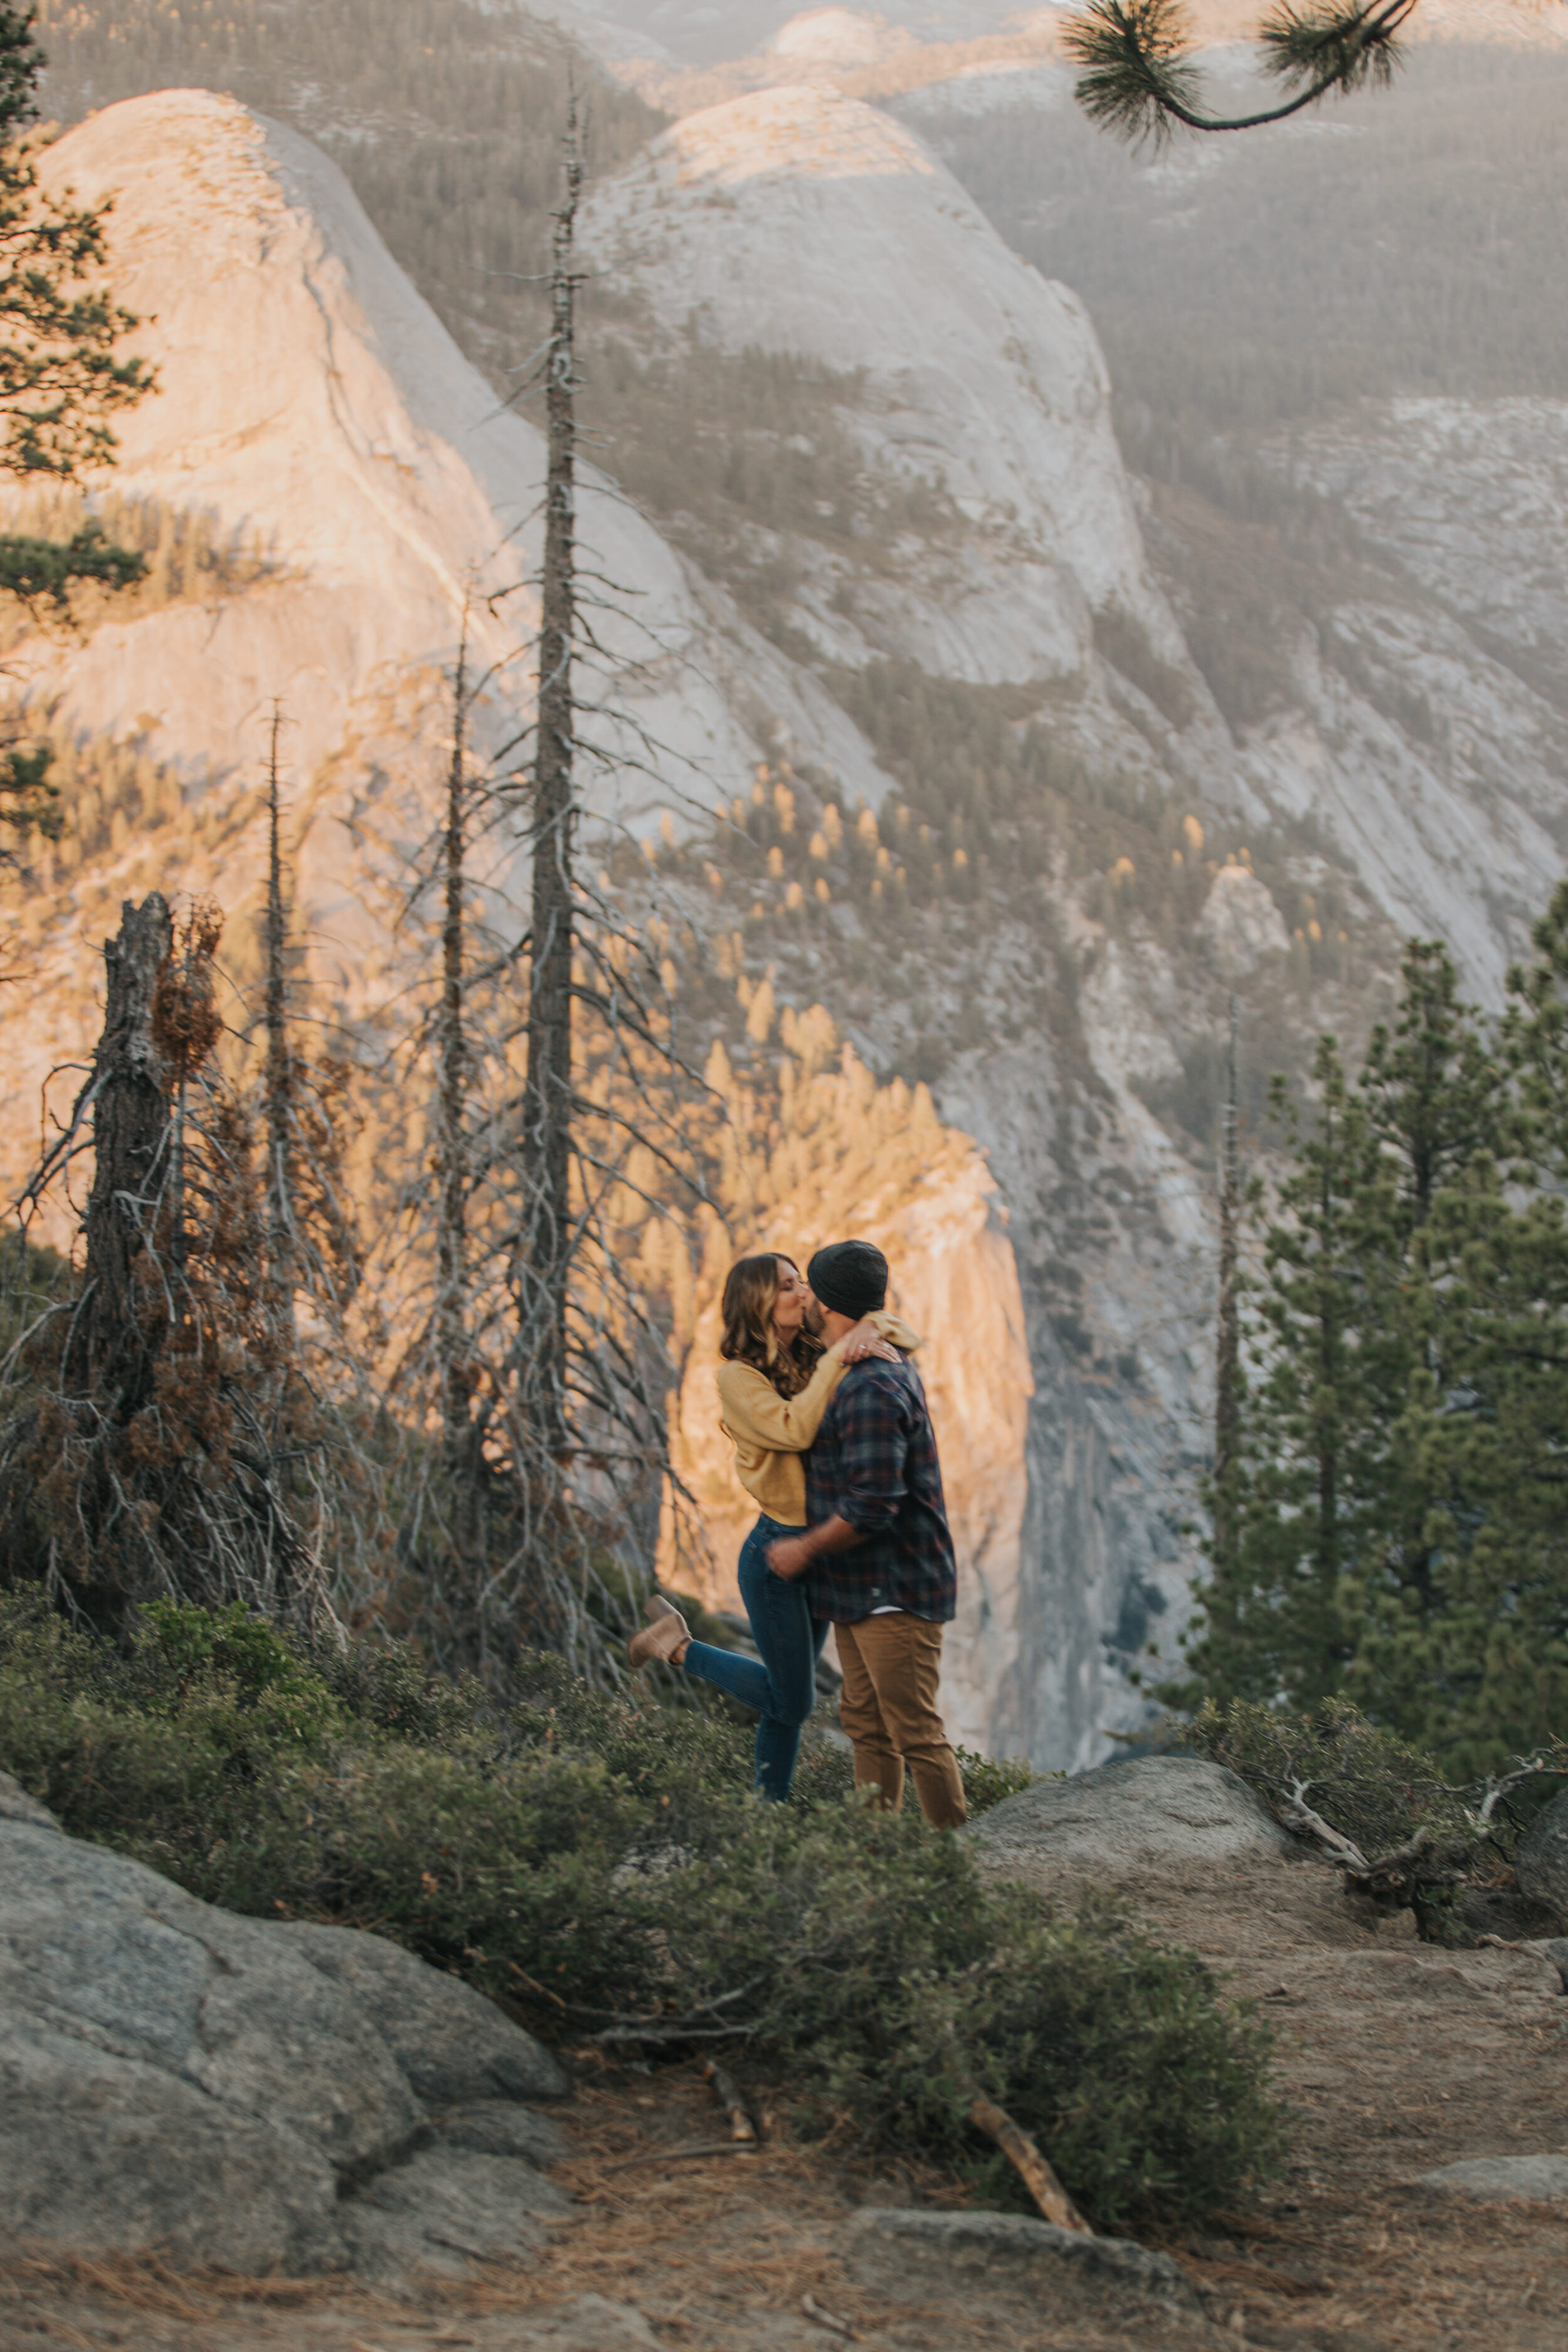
887, 1707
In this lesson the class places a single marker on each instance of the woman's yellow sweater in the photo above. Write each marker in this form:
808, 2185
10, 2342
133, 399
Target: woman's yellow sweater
771, 1433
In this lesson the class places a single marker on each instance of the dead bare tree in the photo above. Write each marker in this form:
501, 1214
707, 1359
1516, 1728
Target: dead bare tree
278, 1085
545, 1253
554, 1081
116, 1327
141, 1456
463, 1408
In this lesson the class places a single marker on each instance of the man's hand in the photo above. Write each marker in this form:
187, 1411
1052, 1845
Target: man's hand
789, 1556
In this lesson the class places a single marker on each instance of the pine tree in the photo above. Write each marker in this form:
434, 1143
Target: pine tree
143, 1453
1436, 1101
1395, 1530
1272, 1621
61, 379
62, 375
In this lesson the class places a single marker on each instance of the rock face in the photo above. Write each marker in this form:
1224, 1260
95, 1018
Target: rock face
454, 2047
1541, 1862
259, 2098
1122, 1819
798, 219
310, 401
307, 395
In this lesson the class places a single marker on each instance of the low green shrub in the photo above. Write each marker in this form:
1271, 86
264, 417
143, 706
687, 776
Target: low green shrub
988, 1779
1376, 1789
597, 1861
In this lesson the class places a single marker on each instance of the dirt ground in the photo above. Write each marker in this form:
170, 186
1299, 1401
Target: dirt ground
1395, 2057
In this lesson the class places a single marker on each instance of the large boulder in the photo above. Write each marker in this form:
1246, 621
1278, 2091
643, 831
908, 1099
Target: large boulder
1126, 1820
454, 2045
245, 2094
1540, 1865
891, 2246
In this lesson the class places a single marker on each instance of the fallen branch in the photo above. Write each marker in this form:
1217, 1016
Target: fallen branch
1389, 1870
1384, 1872
1531, 1769
629, 2017
1037, 2175
1344, 1849
730, 2099
542, 1990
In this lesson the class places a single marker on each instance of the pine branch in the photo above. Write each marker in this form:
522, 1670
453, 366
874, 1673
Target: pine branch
1138, 80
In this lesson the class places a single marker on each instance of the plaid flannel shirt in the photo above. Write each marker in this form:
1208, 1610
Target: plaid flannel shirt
874, 1464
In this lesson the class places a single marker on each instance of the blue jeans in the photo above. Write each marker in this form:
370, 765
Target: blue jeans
783, 1687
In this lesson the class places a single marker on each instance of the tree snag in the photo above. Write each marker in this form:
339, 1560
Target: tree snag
109, 1355
545, 1256
278, 1085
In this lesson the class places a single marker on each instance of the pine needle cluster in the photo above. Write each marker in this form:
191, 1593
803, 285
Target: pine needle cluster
1137, 78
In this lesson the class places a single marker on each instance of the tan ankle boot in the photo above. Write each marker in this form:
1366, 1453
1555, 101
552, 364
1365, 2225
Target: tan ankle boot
665, 1638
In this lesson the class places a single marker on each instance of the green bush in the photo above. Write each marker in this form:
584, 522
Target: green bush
598, 1862
1382, 1793
988, 1779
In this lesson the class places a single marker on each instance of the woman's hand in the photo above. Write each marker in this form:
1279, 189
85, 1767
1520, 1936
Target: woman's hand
863, 1341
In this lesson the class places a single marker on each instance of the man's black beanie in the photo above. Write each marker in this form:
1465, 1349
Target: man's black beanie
849, 1276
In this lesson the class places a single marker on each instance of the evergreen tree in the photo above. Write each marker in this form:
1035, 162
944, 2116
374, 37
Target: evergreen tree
61, 379
1436, 1102
1392, 1530
61, 375
1272, 1621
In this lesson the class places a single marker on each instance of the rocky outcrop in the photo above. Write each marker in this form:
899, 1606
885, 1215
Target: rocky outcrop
1167, 1813
1107, 2273
259, 2098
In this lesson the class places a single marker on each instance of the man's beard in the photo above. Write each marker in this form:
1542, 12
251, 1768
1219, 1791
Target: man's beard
811, 1318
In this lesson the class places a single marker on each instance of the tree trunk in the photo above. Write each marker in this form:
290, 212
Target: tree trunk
281, 1250
452, 1063
546, 1258
112, 1348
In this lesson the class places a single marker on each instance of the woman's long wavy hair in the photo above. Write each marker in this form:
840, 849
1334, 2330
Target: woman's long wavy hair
750, 1288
